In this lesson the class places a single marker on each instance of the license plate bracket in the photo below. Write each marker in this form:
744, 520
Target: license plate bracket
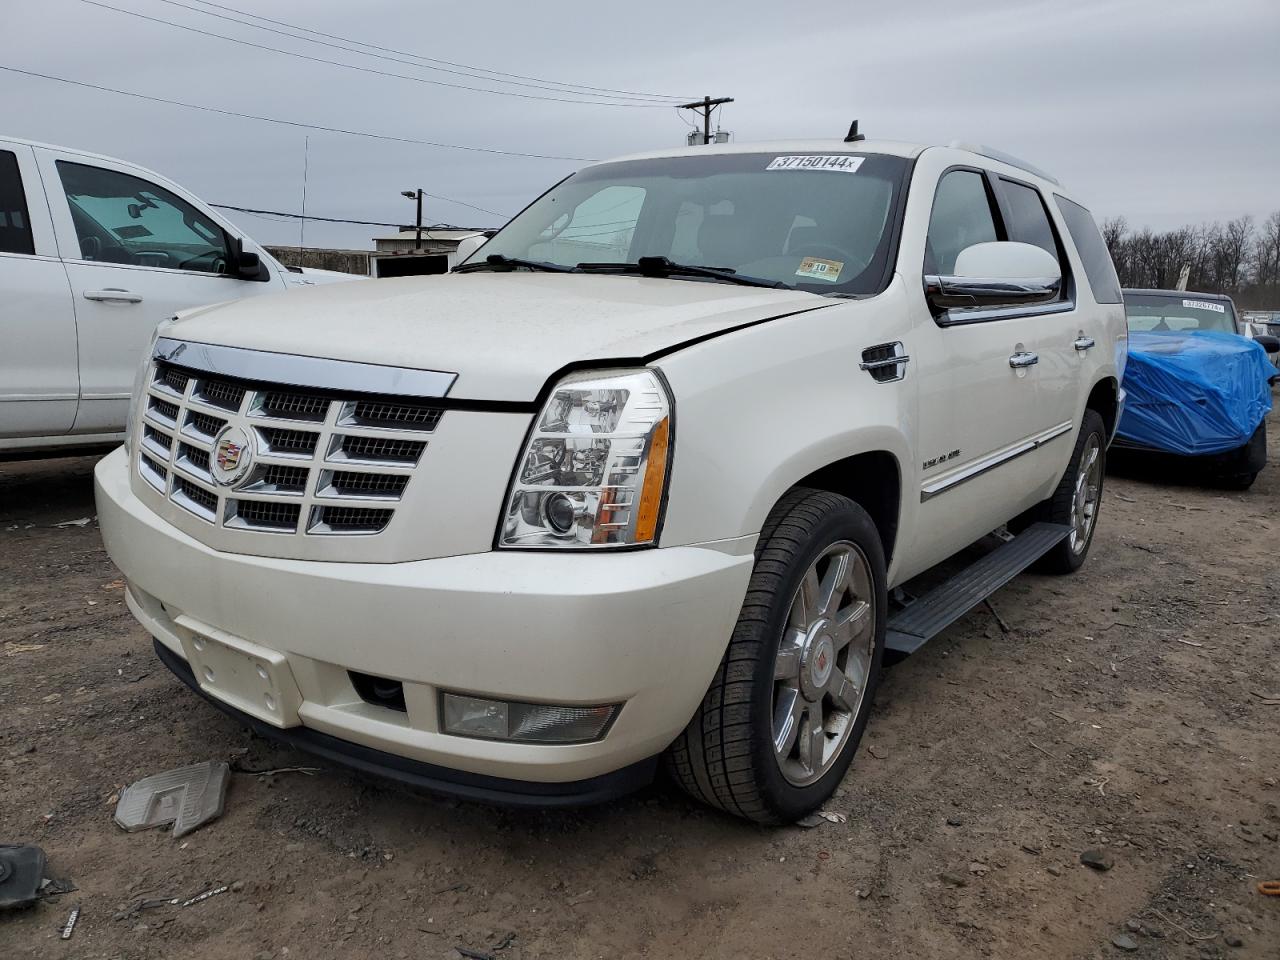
254, 679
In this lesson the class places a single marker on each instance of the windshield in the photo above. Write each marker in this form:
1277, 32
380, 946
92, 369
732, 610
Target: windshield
812, 222
1159, 313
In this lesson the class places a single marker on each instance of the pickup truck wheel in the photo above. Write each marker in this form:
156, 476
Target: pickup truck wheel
778, 728
1078, 498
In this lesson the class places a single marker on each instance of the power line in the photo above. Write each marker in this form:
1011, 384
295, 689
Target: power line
299, 216
369, 70
429, 63
448, 63
290, 123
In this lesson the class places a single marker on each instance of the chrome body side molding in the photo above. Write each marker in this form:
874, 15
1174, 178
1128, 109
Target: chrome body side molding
976, 469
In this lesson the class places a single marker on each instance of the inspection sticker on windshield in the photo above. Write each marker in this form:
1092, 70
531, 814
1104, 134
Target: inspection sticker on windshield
1204, 305
820, 269
838, 163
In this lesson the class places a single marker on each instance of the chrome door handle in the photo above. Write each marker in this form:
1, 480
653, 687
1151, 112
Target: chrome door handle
1023, 359
113, 295
1084, 343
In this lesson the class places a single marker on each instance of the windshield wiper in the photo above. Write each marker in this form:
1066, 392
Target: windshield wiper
502, 260
665, 267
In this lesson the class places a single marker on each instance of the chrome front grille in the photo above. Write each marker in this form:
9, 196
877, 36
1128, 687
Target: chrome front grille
321, 463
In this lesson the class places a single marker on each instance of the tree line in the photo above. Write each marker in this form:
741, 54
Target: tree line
1237, 258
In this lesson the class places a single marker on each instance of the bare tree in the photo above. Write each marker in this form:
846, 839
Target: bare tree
1229, 257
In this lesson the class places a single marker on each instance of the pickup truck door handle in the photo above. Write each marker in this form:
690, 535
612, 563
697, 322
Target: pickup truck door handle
113, 295
1023, 359
1084, 343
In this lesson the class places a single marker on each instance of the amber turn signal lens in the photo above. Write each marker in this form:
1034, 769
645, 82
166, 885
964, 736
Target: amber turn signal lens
655, 479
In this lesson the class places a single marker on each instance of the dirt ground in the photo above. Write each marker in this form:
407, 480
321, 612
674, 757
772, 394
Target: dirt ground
1130, 709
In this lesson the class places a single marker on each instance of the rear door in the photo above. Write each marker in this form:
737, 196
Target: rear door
137, 250
1058, 337
39, 385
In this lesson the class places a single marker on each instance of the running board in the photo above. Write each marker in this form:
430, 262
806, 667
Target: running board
913, 626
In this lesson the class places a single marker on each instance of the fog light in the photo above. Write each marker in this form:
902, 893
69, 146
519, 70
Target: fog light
466, 716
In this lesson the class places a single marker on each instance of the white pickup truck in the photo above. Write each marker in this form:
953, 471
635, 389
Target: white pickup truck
649, 476
94, 253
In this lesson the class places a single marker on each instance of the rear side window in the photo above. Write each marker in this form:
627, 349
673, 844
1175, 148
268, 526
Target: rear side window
1093, 251
961, 217
15, 225
1026, 218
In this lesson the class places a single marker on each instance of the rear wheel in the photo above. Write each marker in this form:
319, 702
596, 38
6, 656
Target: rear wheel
1078, 498
778, 728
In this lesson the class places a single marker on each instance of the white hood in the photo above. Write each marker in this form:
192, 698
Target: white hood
504, 334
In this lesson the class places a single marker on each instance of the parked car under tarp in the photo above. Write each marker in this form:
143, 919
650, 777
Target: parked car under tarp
1198, 393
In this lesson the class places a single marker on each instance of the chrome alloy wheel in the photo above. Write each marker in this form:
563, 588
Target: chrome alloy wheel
1084, 502
823, 663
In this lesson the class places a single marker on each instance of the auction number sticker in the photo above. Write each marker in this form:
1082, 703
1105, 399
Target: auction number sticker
820, 269
1204, 305
839, 163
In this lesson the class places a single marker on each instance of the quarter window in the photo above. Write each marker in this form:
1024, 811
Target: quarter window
961, 217
15, 224
123, 219
1093, 251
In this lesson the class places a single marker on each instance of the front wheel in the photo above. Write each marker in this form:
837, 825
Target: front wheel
778, 728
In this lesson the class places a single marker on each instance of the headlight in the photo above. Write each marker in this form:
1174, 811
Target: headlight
594, 471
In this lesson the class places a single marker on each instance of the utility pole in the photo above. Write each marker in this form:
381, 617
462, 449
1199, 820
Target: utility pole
417, 238
705, 106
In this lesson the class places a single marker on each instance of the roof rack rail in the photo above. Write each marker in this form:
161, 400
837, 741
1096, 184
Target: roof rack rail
994, 154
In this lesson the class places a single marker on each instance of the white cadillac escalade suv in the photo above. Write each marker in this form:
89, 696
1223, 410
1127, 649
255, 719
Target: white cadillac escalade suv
648, 477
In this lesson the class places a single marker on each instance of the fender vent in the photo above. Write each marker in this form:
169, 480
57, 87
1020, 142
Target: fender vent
885, 362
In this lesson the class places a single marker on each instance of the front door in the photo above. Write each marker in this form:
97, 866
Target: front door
136, 253
990, 381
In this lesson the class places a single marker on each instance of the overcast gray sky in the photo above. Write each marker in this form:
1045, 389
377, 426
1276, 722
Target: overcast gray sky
1165, 111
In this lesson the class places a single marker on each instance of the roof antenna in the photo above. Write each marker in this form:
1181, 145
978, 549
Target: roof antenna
854, 136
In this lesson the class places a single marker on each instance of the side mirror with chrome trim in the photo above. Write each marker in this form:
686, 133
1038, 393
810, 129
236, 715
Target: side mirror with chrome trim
1001, 273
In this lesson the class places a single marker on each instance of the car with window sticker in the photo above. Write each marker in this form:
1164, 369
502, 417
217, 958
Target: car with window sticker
649, 479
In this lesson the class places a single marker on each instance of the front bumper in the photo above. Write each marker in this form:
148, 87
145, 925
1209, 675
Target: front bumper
645, 628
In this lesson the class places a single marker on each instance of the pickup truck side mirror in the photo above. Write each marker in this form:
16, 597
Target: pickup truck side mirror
246, 264
1001, 273
1267, 342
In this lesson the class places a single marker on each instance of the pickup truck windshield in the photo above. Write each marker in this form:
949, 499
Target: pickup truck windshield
813, 222
1159, 313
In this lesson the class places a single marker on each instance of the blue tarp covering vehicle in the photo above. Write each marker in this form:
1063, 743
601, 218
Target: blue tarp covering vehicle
1197, 388
1194, 392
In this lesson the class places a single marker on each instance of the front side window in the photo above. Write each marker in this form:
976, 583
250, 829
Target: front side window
1093, 251
124, 219
825, 224
1163, 314
15, 225
961, 217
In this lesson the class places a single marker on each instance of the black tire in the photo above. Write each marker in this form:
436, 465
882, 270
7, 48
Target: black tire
1069, 555
725, 756
1240, 467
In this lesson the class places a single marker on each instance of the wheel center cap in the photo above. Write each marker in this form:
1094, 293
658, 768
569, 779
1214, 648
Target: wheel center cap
817, 663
